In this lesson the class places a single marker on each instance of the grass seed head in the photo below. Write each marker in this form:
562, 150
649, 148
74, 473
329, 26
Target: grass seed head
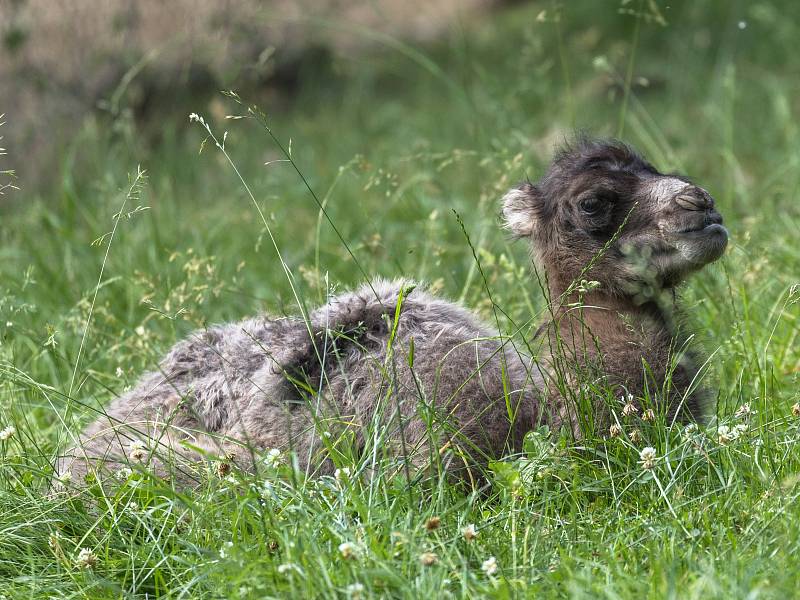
433, 523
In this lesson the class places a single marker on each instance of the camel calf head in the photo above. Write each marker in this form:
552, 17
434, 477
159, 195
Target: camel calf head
603, 213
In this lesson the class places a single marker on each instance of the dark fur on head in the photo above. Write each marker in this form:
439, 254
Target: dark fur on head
601, 203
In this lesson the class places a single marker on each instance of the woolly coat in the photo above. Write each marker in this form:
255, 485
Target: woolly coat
428, 384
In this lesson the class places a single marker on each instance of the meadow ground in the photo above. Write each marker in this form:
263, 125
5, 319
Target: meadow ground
102, 270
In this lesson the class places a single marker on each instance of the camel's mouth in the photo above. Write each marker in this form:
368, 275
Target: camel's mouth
701, 245
712, 229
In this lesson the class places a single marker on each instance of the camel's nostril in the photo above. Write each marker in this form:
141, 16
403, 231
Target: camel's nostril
695, 199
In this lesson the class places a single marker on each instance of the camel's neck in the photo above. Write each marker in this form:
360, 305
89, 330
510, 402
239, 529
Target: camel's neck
605, 315
615, 332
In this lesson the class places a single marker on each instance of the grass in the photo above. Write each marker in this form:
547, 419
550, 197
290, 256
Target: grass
392, 144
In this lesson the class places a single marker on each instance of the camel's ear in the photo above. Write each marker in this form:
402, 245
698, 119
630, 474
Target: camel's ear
519, 209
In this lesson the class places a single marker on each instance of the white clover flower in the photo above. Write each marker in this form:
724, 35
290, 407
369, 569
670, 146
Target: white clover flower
428, 559
741, 429
223, 551
7, 433
725, 435
690, 430
647, 457
649, 415
489, 566
123, 473
796, 409
744, 411
615, 430
119, 372
273, 458
287, 567
86, 559
469, 532
137, 450
635, 436
354, 590
347, 550
342, 474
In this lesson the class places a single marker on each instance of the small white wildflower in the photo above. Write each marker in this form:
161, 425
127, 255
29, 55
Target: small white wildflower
9, 324
287, 567
690, 430
65, 477
725, 435
223, 551
489, 566
342, 474
615, 430
649, 415
137, 450
428, 559
123, 473
741, 429
354, 590
86, 559
119, 372
273, 458
648, 457
796, 409
347, 550
742, 25
469, 532
743, 411
7, 433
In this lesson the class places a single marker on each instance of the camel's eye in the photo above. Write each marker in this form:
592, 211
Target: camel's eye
597, 202
593, 205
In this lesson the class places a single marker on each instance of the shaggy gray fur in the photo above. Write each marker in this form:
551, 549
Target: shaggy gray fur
234, 388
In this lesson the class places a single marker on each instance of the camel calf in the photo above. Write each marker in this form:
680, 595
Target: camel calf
393, 367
